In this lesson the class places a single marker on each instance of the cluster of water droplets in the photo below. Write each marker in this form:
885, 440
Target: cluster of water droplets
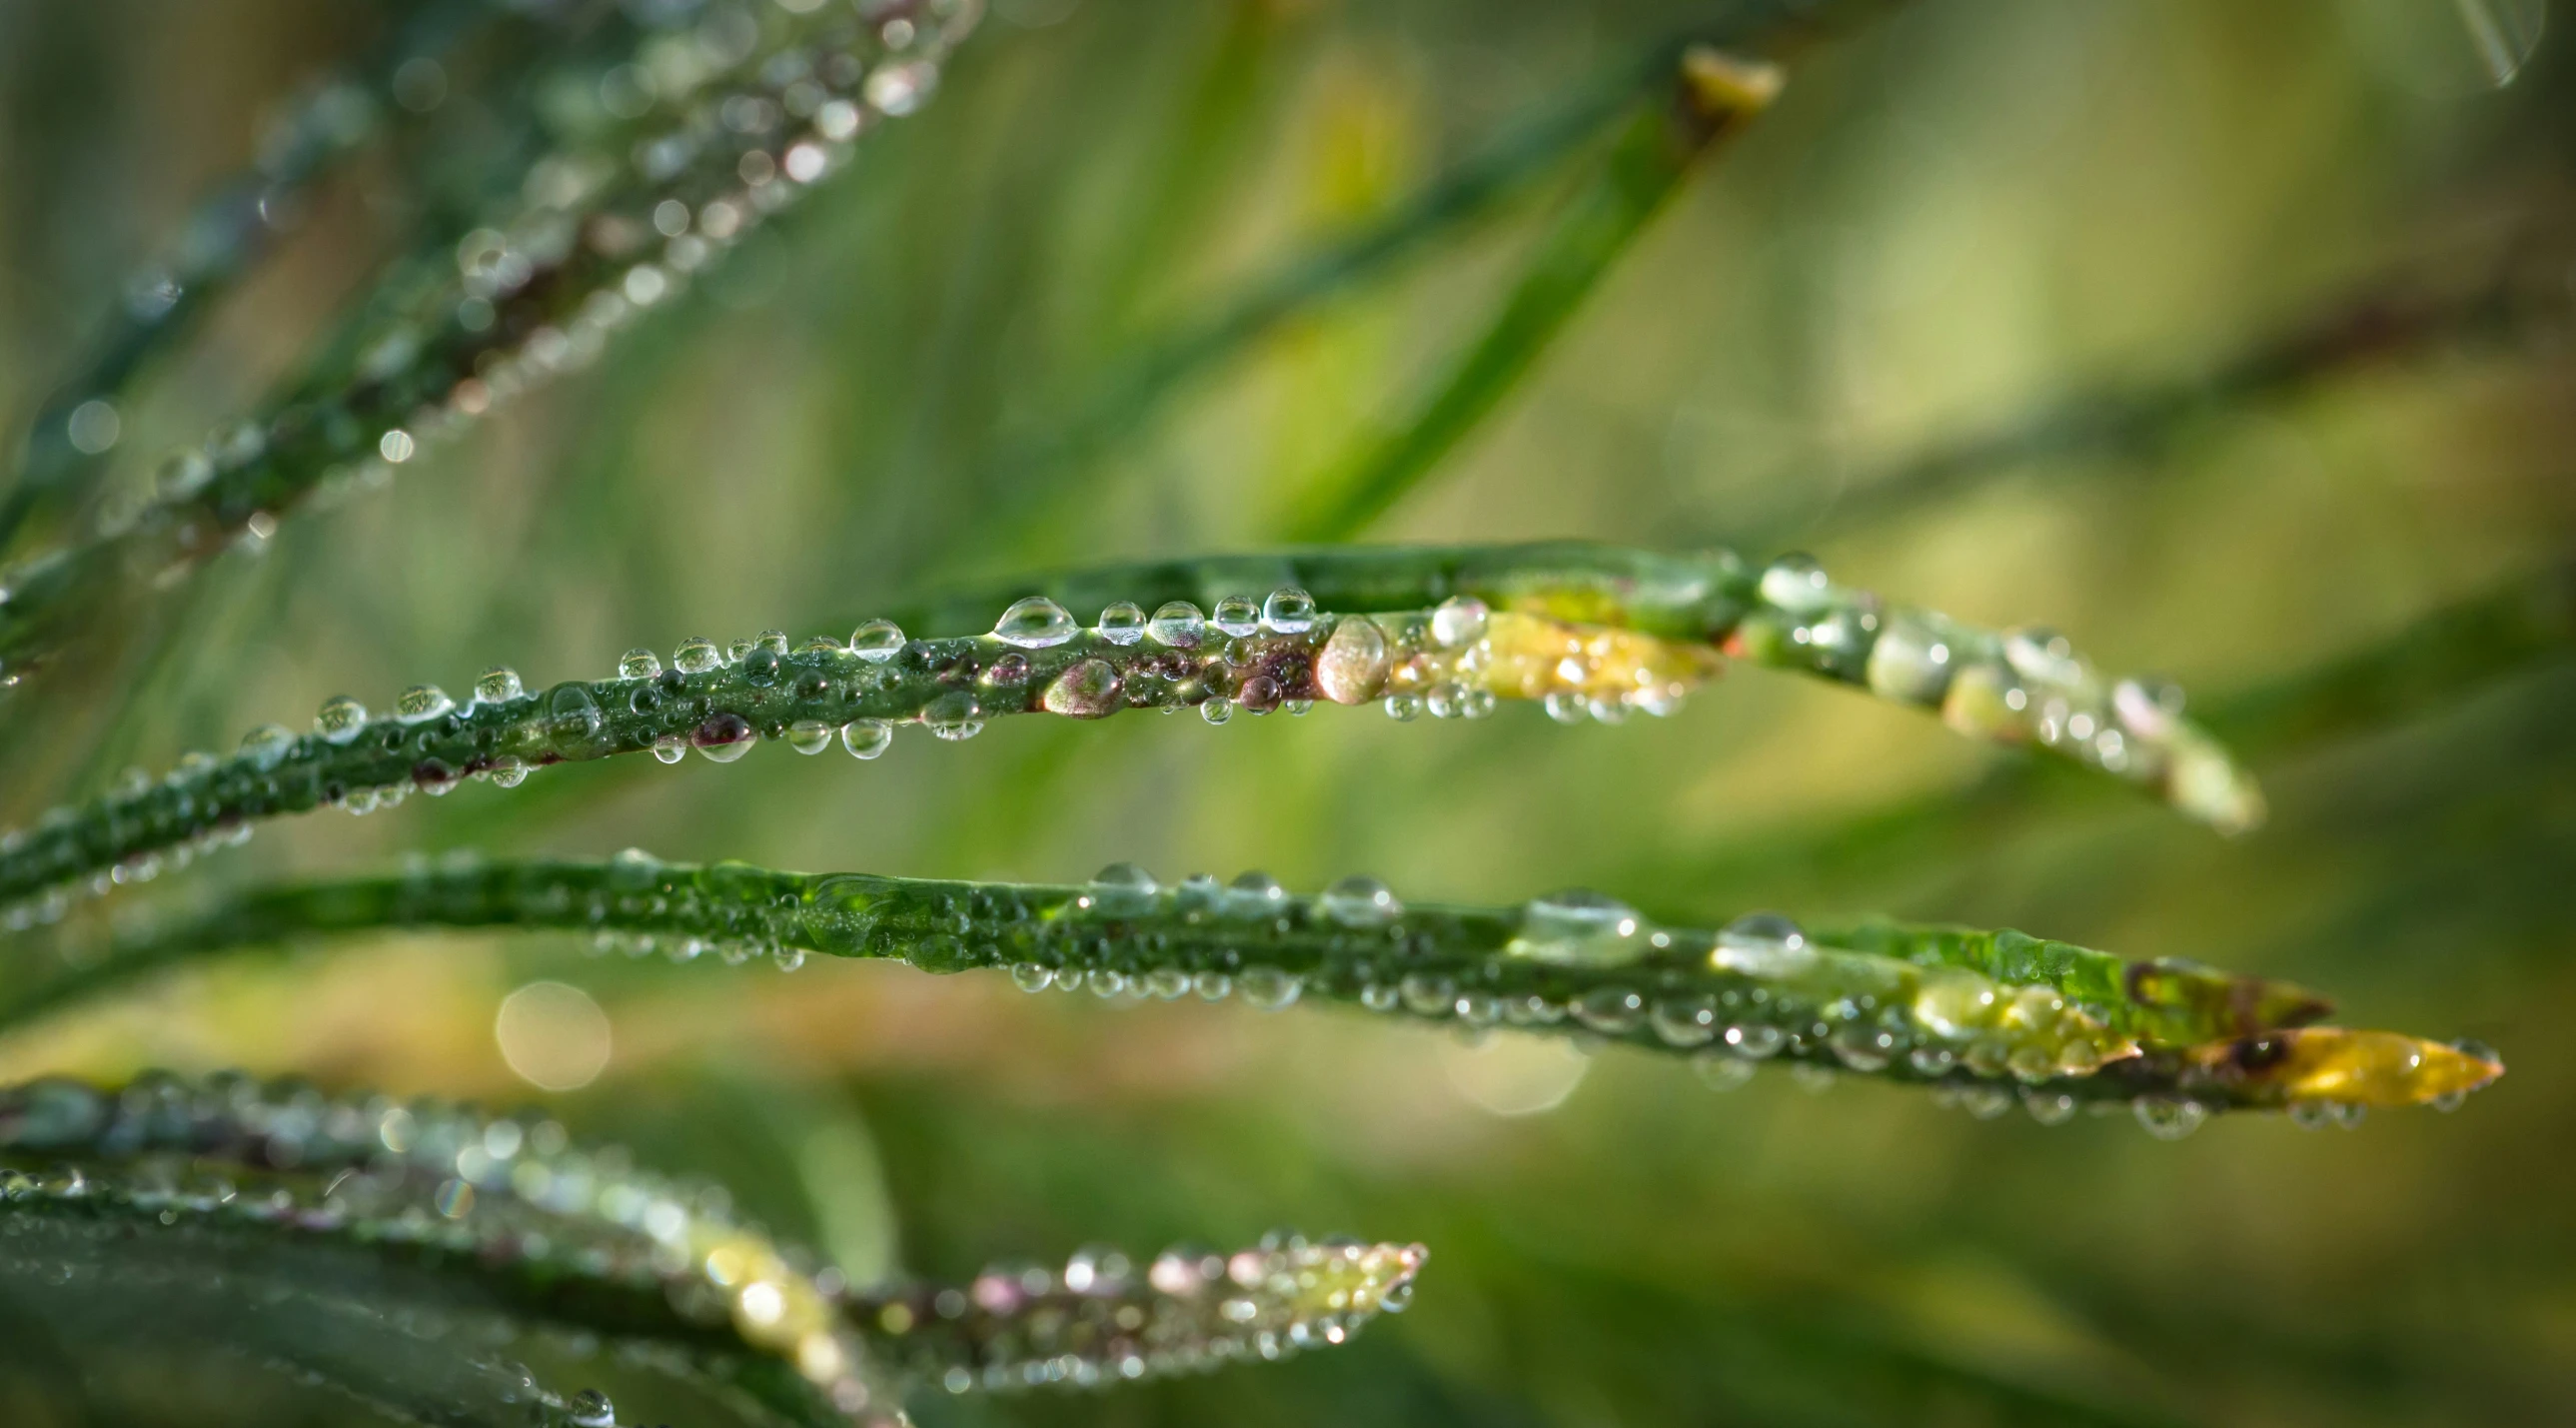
510, 1195
1102, 1318
2026, 684
713, 126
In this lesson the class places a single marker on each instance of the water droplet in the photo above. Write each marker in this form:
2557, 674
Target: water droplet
1254, 896
267, 745
670, 748
509, 771
1030, 977
1216, 709
2168, 1117
1797, 584
1476, 702
1289, 610
590, 1408
954, 715
574, 724
639, 664
1177, 625
760, 666
1931, 1062
1459, 621
1268, 988
696, 655
1212, 986
1237, 615
866, 738
1721, 1072
878, 641
422, 701
1912, 661
1035, 623
1754, 1039
2049, 1108
1565, 706
1762, 944
1685, 1021
1861, 1046
1124, 890
1122, 623
498, 685
1404, 708
2042, 655
341, 717
1353, 665
1428, 993
1579, 927
1611, 1011
1087, 690
1360, 901
809, 736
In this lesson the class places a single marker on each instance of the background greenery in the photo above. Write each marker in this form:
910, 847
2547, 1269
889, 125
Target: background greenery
1955, 218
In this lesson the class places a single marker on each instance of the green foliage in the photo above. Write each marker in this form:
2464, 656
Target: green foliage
1169, 278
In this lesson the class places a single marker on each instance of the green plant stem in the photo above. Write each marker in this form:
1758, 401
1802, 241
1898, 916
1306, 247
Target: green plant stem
2395, 318
574, 1237
1659, 146
1592, 631
1976, 1014
451, 333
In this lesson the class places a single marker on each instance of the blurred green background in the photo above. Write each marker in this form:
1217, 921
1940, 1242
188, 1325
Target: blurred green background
1956, 219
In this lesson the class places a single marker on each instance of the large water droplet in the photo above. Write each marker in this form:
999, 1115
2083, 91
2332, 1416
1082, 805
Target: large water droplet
1797, 584
1579, 927
590, 1408
696, 655
1255, 896
877, 641
639, 664
1237, 615
1611, 1011
574, 724
1268, 988
1123, 890
1459, 621
1087, 690
1684, 1021
866, 738
954, 715
1360, 901
266, 746
422, 702
2169, 1117
1035, 624
1178, 625
809, 736
1754, 1039
1762, 944
340, 719
1122, 623
1912, 661
1289, 610
498, 685
1353, 665
2042, 655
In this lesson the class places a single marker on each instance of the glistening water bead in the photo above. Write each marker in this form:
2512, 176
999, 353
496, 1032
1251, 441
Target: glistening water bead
1977, 1015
